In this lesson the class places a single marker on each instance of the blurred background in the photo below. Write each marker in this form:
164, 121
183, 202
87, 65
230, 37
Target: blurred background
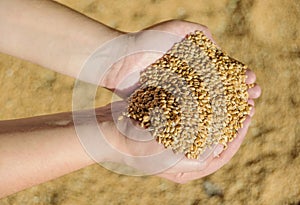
266, 170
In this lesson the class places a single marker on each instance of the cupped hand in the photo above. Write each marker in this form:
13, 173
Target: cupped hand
184, 169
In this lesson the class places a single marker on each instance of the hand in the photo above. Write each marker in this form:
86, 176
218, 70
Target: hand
186, 169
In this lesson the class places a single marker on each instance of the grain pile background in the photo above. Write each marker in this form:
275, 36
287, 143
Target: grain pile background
263, 34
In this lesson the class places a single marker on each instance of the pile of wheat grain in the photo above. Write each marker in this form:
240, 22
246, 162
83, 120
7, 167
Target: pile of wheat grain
194, 96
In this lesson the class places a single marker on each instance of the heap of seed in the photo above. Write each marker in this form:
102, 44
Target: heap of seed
194, 96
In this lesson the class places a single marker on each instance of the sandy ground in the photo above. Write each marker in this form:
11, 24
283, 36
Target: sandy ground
266, 170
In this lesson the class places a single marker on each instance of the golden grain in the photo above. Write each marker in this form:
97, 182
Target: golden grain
194, 96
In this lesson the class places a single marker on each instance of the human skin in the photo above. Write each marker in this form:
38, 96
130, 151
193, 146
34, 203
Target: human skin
60, 39
186, 170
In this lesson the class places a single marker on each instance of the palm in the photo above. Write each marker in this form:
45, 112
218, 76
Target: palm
186, 169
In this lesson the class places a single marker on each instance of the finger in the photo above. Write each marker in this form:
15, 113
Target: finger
254, 92
188, 165
243, 131
252, 111
251, 77
251, 102
218, 150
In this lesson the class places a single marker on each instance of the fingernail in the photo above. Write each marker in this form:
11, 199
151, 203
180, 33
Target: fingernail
251, 102
254, 92
251, 77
